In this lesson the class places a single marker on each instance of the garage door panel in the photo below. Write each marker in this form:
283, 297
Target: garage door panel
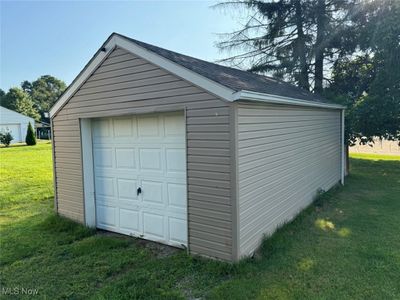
124, 127
148, 127
101, 129
150, 159
125, 158
147, 152
174, 126
104, 186
106, 215
153, 225
105, 157
152, 192
177, 230
114, 172
176, 163
176, 195
129, 219
127, 188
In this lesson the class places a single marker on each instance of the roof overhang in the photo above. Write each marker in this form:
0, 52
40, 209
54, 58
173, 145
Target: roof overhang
269, 98
223, 92
116, 40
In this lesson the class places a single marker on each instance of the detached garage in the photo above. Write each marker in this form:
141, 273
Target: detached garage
162, 146
15, 123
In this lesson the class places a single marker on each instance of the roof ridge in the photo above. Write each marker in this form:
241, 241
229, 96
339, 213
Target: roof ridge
260, 86
230, 84
209, 62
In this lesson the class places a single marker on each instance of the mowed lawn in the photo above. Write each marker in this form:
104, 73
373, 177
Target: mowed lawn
345, 246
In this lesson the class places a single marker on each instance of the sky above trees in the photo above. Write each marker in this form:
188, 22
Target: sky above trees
58, 38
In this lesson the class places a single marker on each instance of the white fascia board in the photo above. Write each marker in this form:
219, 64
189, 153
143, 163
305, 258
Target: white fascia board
203, 82
209, 85
268, 98
118, 41
89, 69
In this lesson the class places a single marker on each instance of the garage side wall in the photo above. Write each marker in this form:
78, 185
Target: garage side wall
125, 84
285, 155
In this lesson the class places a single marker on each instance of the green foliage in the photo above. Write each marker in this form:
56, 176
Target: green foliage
2, 94
383, 98
25, 106
44, 91
30, 136
352, 77
35, 98
354, 44
18, 100
9, 100
351, 80
347, 247
294, 40
6, 138
369, 84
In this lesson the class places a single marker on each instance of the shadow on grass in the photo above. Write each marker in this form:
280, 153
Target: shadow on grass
67, 259
17, 145
33, 235
333, 249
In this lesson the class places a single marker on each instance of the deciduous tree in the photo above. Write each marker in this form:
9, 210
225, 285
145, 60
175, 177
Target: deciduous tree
369, 84
44, 91
18, 100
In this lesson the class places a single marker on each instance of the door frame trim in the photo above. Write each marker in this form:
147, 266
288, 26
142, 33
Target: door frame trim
89, 203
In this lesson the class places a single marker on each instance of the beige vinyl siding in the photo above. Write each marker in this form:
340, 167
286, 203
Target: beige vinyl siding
125, 84
285, 155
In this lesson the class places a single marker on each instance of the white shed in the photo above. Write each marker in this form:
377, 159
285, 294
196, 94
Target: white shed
15, 123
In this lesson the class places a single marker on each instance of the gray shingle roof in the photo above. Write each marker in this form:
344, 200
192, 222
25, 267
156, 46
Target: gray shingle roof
233, 78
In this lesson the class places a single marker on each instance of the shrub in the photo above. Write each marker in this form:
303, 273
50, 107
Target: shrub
30, 136
6, 138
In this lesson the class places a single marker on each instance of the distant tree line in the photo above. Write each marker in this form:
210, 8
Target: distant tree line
34, 98
347, 50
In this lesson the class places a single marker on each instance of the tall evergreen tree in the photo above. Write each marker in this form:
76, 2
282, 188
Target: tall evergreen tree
30, 138
292, 39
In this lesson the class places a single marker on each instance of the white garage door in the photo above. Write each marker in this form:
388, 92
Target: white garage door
140, 176
14, 129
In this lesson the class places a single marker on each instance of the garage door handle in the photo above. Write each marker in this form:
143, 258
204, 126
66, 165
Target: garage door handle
139, 191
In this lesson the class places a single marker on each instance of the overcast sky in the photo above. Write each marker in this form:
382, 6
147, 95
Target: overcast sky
58, 38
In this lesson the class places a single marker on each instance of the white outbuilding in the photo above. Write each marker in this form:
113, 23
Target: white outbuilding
15, 123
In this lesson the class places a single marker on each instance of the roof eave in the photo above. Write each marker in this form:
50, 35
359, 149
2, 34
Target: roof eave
116, 40
100, 55
244, 95
223, 92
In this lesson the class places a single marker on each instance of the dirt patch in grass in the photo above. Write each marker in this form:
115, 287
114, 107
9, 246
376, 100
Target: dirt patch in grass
156, 249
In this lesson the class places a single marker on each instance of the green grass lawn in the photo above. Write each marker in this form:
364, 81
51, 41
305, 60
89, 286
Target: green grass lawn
345, 246
373, 156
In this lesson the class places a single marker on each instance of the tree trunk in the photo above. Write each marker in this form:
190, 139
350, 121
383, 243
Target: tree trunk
319, 45
301, 47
